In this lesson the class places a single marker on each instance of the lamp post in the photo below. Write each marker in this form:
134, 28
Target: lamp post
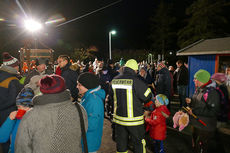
113, 32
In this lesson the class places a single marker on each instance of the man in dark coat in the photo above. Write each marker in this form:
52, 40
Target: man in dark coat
182, 82
163, 81
69, 75
111, 69
9, 89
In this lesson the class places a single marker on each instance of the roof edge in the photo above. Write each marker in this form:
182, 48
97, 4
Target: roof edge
189, 46
202, 53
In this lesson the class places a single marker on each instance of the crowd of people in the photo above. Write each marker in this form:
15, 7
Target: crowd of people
39, 108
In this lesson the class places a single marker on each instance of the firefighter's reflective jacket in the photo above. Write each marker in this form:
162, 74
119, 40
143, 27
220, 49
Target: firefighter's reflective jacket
129, 94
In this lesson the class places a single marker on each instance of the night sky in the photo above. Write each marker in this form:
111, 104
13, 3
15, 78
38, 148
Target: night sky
130, 18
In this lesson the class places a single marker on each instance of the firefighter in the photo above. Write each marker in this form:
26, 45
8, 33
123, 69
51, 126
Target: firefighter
129, 94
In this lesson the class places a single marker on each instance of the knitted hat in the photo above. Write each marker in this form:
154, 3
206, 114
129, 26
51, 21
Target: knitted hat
161, 65
9, 60
162, 99
51, 84
221, 77
122, 62
132, 64
25, 97
88, 80
202, 76
40, 61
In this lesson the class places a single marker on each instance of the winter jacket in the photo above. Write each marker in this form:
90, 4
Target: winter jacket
70, 77
9, 89
182, 76
52, 126
147, 78
9, 129
205, 104
129, 94
163, 82
156, 124
92, 101
104, 79
112, 72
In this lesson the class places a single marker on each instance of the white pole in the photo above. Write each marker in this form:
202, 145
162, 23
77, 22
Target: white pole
151, 58
110, 56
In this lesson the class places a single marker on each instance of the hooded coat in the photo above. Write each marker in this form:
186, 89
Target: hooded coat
9, 89
205, 104
156, 124
163, 82
70, 77
92, 101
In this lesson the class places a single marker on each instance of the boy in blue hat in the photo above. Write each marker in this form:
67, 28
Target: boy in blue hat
10, 126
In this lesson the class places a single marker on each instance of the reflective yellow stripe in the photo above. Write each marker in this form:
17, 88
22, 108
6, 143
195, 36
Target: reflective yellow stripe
129, 119
147, 92
129, 95
131, 102
123, 152
128, 123
144, 144
115, 101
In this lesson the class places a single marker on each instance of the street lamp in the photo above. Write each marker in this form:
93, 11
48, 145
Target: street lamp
113, 32
32, 25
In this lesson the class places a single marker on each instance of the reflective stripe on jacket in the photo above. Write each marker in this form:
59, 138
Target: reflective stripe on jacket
129, 94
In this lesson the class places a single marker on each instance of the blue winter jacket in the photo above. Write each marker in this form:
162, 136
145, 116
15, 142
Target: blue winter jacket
9, 89
92, 101
9, 128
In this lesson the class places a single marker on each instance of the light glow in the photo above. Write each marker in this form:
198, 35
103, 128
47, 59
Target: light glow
32, 25
55, 21
113, 32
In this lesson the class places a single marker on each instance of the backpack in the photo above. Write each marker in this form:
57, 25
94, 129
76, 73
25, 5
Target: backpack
222, 115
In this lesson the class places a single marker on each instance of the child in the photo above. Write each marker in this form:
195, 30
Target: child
156, 122
10, 126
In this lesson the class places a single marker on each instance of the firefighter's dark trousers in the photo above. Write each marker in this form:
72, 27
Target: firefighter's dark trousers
137, 138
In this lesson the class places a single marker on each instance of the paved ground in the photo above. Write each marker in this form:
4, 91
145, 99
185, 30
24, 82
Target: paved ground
174, 143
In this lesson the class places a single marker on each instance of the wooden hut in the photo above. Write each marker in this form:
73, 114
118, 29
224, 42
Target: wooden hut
212, 55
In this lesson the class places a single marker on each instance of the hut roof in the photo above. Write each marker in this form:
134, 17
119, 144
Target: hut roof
207, 46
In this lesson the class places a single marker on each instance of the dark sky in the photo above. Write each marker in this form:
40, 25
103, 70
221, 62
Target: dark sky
130, 18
